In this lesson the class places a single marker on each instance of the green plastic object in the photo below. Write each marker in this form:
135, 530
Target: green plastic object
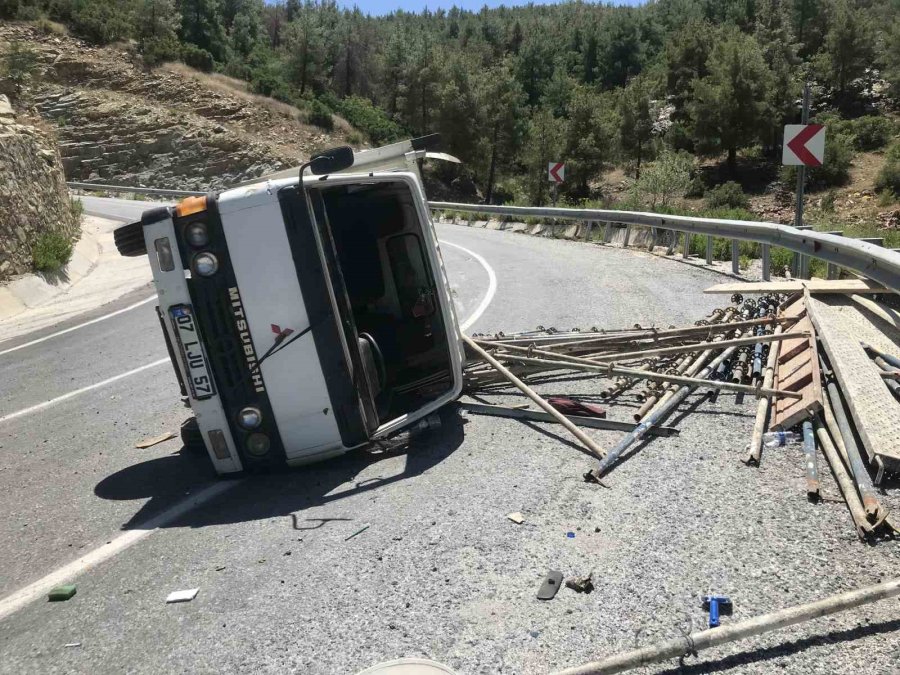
61, 593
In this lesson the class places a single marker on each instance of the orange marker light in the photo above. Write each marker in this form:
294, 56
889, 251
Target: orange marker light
190, 205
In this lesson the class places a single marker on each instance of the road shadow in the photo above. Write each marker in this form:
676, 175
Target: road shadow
787, 649
165, 481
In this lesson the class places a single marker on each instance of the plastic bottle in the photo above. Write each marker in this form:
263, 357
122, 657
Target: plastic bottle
777, 439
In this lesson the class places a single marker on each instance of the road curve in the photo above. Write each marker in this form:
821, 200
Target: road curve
439, 571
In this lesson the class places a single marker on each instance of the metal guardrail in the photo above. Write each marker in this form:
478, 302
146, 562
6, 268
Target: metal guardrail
879, 264
873, 261
162, 192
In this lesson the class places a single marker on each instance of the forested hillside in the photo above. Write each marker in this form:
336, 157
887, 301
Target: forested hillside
696, 89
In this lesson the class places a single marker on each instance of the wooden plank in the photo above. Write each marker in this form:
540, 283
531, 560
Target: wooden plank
798, 370
795, 285
841, 327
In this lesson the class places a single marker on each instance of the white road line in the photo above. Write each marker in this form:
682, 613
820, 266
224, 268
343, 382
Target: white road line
492, 285
78, 392
16, 601
81, 325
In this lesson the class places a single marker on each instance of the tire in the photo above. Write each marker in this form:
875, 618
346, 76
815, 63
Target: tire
130, 240
191, 436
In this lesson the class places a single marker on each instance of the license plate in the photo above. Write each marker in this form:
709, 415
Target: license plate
194, 357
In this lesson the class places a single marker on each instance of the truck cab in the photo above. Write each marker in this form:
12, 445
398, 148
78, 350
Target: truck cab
305, 315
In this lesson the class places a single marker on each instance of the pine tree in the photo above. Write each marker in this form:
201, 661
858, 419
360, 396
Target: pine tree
545, 142
201, 25
635, 123
502, 103
730, 107
304, 43
847, 50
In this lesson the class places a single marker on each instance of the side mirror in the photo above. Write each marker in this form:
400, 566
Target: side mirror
332, 161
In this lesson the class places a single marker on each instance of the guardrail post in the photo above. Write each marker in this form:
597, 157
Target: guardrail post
799, 262
832, 270
588, 226
627, 235
673, 241
766, 256
686, 246
607, 226
654, 235
709, 249
735, 257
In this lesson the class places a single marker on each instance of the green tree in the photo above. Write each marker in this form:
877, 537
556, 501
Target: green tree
635, 123
246, 30
502, 103
891, 59
588, 139
848, 49
620, 50
545, 142
157, 26
663, 180
305, 45
201, 25
103, 21
810, 22
773, 33
687, 58
730, 105
19, 65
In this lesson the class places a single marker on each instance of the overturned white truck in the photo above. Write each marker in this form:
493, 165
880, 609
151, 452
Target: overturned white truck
305, 315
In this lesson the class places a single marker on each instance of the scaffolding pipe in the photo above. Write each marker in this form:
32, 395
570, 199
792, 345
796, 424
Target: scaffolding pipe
713, 637
652, 419
762, 409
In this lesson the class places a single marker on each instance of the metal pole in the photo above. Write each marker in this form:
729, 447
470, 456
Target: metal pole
686, 246
709, 249
801, 173
766, 261
595, 449
713, 637
735, 257
762, 408
844, 482
652, 419
627, 236
607, 226
834, 412
812, 467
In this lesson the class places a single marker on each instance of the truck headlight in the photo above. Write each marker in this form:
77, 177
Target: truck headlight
258, 444
196, 235
250, 417
205, 264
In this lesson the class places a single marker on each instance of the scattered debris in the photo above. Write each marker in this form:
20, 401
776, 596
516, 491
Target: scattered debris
717, 605
359, 531
516, 517
150, 442
72, 644
570, 535
581, 584
569, 407
61, 593
800, 285
182, 596
550, 585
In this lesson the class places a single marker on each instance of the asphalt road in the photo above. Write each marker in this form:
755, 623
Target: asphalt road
439, 572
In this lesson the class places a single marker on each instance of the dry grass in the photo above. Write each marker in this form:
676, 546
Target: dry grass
233, 87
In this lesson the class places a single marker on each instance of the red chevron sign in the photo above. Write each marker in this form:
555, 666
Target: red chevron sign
556, 172
804, 145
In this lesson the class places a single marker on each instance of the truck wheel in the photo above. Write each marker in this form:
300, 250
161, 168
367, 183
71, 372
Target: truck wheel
191, 436
130, 240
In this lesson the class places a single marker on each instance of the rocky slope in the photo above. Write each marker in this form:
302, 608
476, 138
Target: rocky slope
119, 123
33, 194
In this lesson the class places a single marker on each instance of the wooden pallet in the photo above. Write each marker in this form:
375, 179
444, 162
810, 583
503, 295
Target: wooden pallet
797, 369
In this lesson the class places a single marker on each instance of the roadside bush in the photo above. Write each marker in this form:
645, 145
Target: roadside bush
159, 50
51, 252
198, 58
319, 115
372, 121
28, 13
728, 195
886, 198
873, 132
663, 180
888, 178
696, 188
102, 21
